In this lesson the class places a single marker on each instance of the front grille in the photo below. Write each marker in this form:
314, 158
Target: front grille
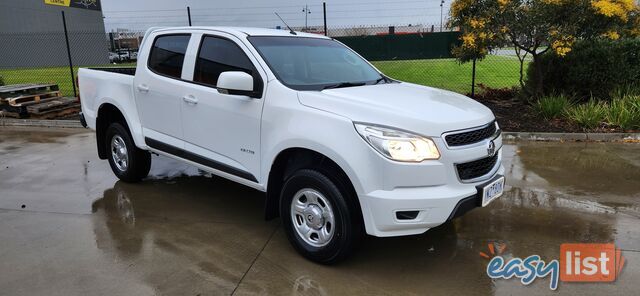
470, 137
476, 168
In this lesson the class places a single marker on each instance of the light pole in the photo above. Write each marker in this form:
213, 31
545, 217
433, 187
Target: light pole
306, 13
441, 4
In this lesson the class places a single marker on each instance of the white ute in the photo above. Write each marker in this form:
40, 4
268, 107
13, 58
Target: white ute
339, 148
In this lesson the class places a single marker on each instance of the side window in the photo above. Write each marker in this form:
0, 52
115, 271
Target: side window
219, 55
167, 55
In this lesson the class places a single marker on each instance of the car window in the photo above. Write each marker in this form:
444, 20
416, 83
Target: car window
167, 55
313, 63
219, 55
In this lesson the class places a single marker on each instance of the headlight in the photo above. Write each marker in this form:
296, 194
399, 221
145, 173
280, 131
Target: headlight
398, 145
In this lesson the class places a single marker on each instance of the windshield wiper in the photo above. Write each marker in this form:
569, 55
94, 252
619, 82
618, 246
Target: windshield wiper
382, 78
343, 84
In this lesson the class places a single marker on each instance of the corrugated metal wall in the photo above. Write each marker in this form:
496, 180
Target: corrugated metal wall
32, 35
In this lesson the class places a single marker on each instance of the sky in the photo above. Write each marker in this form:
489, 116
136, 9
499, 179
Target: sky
142, 14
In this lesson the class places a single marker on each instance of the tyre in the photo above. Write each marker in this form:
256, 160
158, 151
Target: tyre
320, 216
128, 162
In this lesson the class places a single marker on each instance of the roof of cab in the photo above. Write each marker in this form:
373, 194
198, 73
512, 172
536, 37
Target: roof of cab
246, 31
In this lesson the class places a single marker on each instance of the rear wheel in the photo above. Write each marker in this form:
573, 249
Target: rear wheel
319, 217
128, 162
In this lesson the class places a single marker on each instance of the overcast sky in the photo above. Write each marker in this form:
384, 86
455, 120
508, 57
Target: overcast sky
141, 14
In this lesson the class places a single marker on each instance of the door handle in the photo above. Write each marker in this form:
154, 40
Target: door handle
143, 88
190, 100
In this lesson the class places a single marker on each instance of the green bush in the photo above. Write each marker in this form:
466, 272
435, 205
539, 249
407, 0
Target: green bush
592, 68
624, 112
552, 106
1, 81
588, 115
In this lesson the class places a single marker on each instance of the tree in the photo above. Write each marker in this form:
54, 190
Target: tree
534, 27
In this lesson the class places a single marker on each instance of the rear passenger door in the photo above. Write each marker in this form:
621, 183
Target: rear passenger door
159, 87
224, 129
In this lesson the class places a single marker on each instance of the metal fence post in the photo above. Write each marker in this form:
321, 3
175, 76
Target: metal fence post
189, 15
324, 13
473, 80
66, 37
112, 42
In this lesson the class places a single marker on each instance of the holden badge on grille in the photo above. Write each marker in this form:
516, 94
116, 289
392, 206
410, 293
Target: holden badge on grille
491, 148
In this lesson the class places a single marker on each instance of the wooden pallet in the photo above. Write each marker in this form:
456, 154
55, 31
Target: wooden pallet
51, 105
25, 104
26, 100
16, 112
4, 113
49, 108
16, 90
58, 113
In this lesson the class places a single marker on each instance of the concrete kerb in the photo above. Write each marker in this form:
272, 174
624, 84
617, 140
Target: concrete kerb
572, 137
40, 123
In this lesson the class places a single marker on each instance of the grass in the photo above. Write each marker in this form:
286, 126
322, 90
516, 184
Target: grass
57, 75
621, 109
624, 112
626, 90
493, 71
551, 107
589, 115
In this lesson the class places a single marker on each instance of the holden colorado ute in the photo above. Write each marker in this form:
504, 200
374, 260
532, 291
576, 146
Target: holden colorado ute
339, 148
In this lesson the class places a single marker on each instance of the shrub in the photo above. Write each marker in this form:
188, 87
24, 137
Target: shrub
552, 106
593, 68
589, 115
1, 81
624, 112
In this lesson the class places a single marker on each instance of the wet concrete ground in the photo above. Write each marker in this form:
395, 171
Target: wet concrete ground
68, 227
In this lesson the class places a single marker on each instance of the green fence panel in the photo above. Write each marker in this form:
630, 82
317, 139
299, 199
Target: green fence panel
414, 46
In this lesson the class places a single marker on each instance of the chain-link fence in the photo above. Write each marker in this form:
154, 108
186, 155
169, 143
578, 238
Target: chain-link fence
44, 58
414, 53
422, 55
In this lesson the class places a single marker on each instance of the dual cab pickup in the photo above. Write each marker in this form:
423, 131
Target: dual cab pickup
339, 148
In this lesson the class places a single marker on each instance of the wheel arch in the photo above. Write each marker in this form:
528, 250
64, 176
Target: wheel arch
107, 113
295, 158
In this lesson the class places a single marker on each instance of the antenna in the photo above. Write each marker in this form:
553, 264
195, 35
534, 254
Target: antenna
285, 23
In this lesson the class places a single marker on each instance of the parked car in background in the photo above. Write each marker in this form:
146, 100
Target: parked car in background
114, 57
123, 55
339, 149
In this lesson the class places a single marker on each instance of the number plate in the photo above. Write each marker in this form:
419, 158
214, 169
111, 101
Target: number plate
492, 191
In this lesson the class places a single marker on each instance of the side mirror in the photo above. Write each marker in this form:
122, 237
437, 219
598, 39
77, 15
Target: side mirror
235, 83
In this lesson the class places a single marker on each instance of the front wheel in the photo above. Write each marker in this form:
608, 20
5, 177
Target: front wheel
319, 217
128, 162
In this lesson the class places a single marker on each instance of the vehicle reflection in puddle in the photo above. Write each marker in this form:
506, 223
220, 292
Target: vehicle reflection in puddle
206, 226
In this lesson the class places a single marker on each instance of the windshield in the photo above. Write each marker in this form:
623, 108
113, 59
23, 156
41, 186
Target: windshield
313, 63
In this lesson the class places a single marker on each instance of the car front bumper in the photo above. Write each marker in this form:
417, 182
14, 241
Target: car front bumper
435, 205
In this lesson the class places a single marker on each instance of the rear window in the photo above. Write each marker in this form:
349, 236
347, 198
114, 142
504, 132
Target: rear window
167, 55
